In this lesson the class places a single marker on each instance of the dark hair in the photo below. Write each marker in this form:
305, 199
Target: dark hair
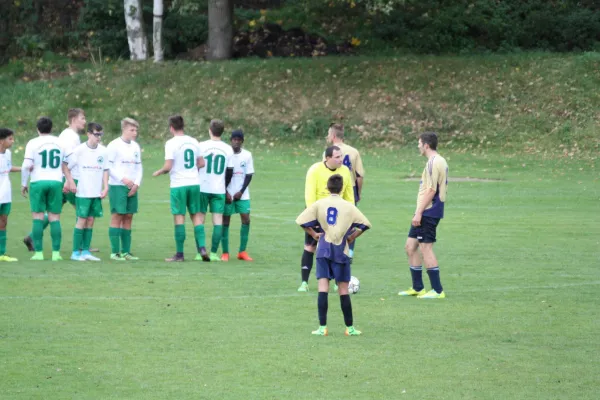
329, 151
338, 129
73, 112
44, 125
176, 122
93, 126
429, 138
335, 183
238, 133
5, 132
217, 127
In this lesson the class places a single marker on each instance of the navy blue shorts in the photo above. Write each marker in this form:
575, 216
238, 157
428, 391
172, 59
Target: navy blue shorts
356, 195
308, 240
332, 270
426, 232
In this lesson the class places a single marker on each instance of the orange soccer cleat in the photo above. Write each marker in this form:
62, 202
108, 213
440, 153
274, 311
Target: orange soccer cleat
225, 257
242, 255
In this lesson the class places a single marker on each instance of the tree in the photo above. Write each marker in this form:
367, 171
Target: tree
157, 30
220, 29
136, 36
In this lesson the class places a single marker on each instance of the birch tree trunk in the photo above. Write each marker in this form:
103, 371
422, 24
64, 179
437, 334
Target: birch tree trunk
136, 37
157, 30
220, 29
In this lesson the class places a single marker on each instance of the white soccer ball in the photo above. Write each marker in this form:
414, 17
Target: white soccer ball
353, 285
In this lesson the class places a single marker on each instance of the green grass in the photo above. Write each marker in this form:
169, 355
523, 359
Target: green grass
519, 259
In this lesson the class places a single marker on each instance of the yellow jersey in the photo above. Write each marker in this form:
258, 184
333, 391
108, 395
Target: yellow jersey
316, 183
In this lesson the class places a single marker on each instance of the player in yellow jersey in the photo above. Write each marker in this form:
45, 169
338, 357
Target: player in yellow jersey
340, 222
315, 189
429, 212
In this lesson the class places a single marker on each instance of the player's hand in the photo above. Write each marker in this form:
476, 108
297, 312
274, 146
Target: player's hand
133, 190
416, 221
227, 198
66, 187
157, 173
317, 235
104, 193
237, 196
72, 187
24, 191
127, 182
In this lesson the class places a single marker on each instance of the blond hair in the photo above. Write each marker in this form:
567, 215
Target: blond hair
129, 122
73, 113
338, 130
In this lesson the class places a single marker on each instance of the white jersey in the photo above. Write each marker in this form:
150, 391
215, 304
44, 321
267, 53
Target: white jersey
5, 166
46, 153
218, 157
124, 161
69, 140
91, 164
183, 151
242, 166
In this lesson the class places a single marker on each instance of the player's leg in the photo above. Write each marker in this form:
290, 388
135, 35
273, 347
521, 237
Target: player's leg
217, 207
243, 207
429, 227
117, 195
54, 208
178, 210
87, 233
199, 231
130, 210
37, 203
225, 237
414, 263
4, 211
306, 262
28, 240
82, 206
323, 277
342, 274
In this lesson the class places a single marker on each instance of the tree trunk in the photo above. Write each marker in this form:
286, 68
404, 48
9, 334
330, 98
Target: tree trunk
157, 31
136, 37
220, 29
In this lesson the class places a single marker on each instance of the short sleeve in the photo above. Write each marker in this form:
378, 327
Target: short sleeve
250, 165
169, 151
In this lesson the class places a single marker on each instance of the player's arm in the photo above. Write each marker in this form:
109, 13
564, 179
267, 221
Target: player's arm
359, 226
165, 169
310, 188
200, 163
104, 184
68, 164
228, 176
15, 169
247, 180
113, 169
348, 193
26, 169
140, 171
359, 169
308, 220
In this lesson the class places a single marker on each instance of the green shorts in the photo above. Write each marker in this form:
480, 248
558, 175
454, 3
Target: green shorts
119, 202
237, 207
46, 196
69, 197
86, 207
216, 203
5, 208
185, 197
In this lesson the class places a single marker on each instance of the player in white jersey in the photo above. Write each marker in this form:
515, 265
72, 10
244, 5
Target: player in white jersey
91, 161
238, 196
43, 162
6, 141
182, 161
214, 178
125, 168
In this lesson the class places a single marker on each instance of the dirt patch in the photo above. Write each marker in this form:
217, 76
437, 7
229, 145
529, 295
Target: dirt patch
459, 179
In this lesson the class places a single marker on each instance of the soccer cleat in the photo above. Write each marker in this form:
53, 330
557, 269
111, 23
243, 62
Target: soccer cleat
202, 255
432, 294
76, 256
175, 258
130, 257
29, 243
86, 255
214, 257
350, 331
303, 287
412, 292
56, 256
116, 257
6, 258
322, 331
225, 257
243, 255
37, 256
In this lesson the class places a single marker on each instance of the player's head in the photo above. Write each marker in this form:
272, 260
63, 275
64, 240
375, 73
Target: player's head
427, 141
44, 125
336, 132
333, 157
237, 139
76, 118
335, 183
129, 128
94, 133
7, 138
176, 123
216, 128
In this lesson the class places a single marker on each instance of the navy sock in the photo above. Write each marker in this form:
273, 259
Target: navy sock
417, 278
323, 304
307, 264
434, 278
346, 309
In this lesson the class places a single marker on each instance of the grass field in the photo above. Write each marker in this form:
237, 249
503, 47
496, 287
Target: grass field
519, 256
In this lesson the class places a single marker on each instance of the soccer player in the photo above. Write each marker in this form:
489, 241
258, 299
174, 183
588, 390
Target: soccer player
341, 223
6, 141
238, 196
352, 160
125, 170
214, 179
43, 162
316, 189
429, 212
69, 140
90, 159
182, 161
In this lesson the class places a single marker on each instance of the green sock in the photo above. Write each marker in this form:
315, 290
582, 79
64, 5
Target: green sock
37, 234
244, 233
125, 241
44, 226
56, 234
200, 236
114, 234
179, 237
2, 243
225, 239
87, 239
216, 238
77, 239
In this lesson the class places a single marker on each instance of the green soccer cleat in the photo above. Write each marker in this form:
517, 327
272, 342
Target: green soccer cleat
335, 287
6, 258
214, 257
56, 256
303, 287
116, 257
202, 255
350, 331
412, 292
322, 331
38, 256
130, 257
432, 294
